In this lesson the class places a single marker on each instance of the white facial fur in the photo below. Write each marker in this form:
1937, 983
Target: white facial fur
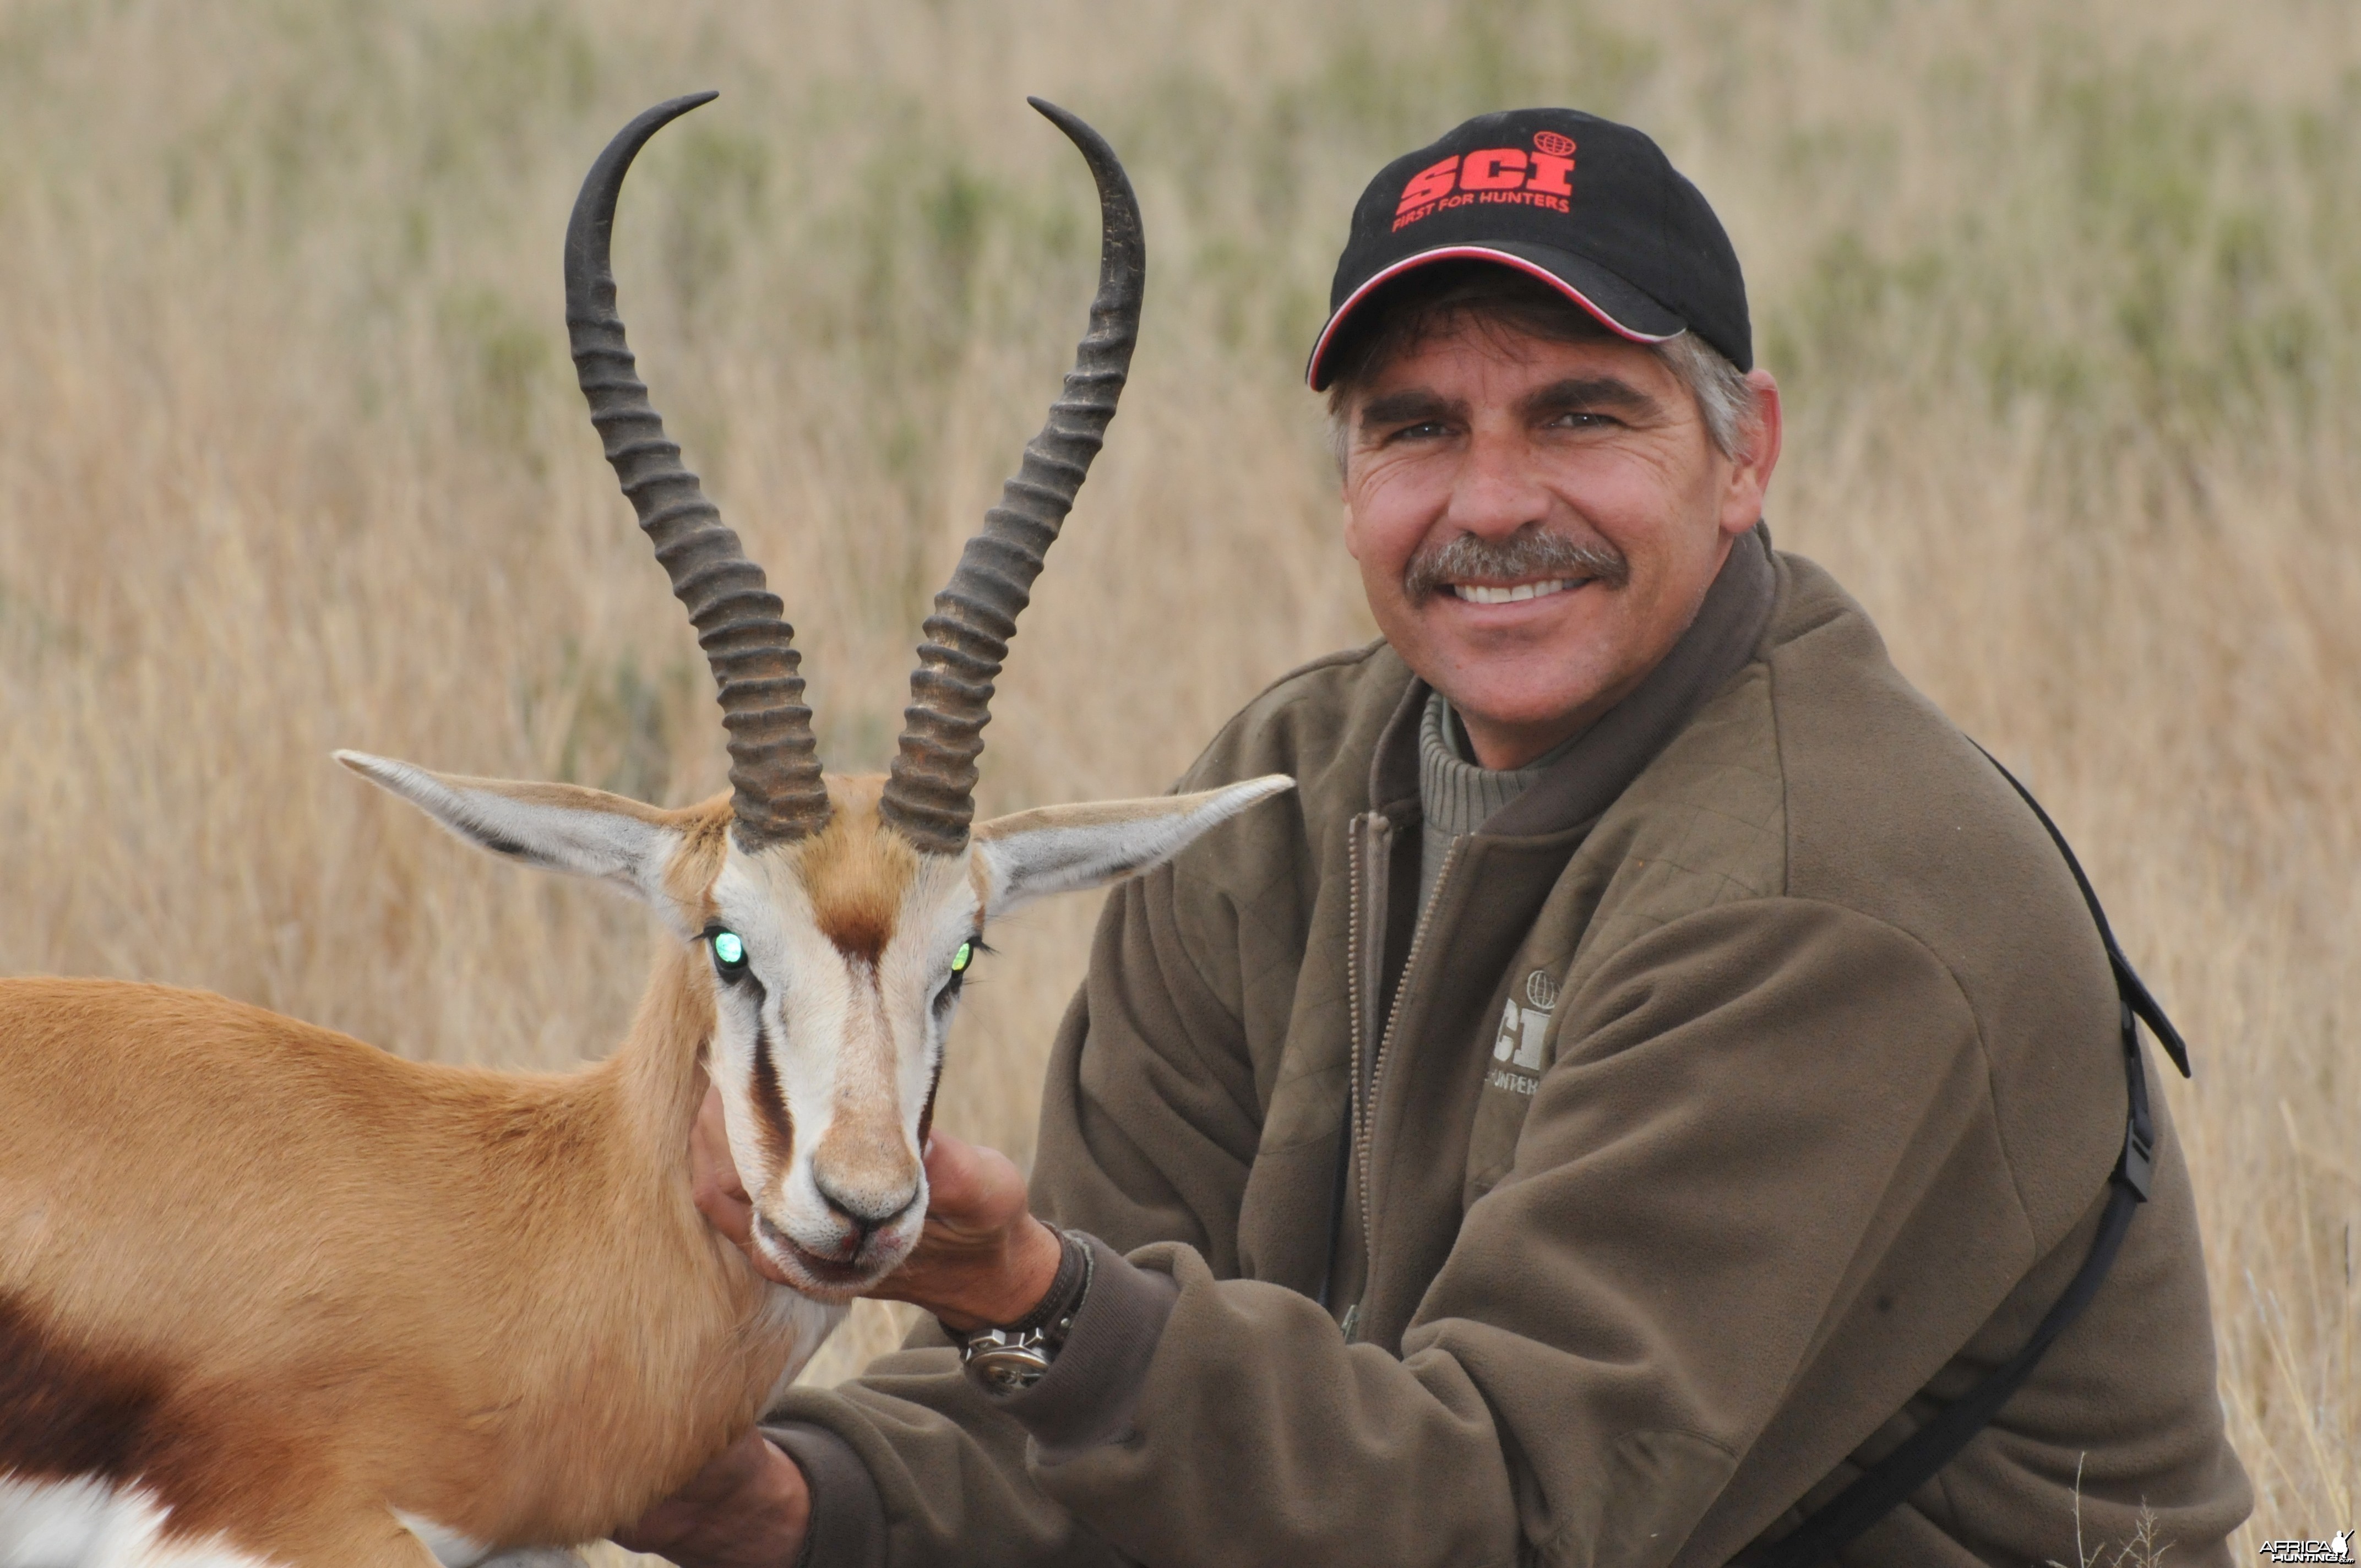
852, 1049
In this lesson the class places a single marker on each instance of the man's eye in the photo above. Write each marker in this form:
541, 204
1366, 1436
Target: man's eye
729, 953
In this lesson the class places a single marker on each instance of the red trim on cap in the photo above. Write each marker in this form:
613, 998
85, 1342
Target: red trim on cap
1478, 252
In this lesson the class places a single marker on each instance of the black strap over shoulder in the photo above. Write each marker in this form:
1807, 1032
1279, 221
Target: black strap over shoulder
1876, 1491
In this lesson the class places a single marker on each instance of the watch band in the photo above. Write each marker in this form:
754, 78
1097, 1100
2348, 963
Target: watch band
1015, 1356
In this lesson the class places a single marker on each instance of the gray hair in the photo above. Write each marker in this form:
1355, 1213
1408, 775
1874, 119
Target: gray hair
1724, 402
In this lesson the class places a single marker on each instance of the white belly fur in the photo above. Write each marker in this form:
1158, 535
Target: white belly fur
88, 1524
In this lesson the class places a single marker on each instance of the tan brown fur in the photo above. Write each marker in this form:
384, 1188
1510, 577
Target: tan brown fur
330, 1281
705, 841
857, 872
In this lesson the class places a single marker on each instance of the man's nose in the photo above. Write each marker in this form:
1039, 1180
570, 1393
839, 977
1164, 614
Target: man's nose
1498, 490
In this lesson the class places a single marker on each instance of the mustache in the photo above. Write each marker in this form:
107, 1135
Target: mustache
1528, 553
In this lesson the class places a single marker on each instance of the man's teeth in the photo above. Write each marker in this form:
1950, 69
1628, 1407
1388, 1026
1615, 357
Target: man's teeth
1476, 592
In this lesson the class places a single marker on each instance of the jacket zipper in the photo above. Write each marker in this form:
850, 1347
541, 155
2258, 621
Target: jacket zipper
1359, 980
1365, 1119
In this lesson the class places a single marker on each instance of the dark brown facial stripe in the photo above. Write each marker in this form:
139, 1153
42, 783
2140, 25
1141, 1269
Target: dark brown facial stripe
770, 1104
927, 1116
65, 1414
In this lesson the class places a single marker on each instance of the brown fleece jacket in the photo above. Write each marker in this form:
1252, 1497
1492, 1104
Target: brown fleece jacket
1749, 1087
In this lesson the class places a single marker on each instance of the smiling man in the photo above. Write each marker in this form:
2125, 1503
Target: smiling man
1657, 1068
1537, 509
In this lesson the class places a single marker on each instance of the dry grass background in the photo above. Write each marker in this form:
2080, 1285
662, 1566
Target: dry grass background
2064, 299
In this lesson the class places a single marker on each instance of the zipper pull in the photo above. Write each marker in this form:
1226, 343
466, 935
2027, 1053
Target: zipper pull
1352, 1324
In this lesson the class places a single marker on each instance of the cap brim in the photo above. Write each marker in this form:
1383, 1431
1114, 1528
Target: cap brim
1614, 303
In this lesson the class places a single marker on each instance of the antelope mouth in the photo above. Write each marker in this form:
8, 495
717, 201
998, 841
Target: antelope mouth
877, 1255
832, 1276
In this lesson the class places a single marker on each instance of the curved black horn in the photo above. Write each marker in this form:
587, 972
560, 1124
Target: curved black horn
742, 625
930, 796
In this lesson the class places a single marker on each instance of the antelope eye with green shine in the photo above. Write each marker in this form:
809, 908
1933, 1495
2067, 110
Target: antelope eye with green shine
729, 954
964, 957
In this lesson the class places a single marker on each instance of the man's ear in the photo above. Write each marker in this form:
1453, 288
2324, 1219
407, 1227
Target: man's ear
1750, 475
556, 827
1065, 849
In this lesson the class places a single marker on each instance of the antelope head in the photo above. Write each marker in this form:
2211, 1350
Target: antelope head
832, 918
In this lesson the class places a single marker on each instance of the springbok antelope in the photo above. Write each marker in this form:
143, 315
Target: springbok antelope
270, 1296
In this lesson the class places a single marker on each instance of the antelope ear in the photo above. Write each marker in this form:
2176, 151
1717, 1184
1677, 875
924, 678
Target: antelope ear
555, 828
1065, 849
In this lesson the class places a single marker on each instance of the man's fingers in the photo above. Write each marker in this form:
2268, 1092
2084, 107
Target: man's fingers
951, 1171
982, 1257
749, 1506
972, 1189
713, 1174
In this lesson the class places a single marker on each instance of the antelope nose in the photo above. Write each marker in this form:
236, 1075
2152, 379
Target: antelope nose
864, 1208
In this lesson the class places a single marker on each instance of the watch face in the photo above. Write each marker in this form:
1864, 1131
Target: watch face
1008, 1367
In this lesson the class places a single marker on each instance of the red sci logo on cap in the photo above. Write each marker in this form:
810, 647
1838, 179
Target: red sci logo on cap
1544, 178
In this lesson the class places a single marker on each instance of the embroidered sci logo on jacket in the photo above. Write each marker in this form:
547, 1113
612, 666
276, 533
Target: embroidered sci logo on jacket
1522, 1026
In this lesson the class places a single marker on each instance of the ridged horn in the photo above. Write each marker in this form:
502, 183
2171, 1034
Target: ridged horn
742, 625
931, 795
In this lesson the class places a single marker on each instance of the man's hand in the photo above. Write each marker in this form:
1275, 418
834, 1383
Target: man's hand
748, 1508
983, 1258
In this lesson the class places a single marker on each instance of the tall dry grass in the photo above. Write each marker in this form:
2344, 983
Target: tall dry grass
2064, 300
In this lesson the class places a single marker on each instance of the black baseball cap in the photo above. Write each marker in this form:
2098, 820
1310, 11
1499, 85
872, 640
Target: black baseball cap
1589, 206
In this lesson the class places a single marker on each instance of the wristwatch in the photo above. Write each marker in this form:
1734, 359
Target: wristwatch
1009, 1359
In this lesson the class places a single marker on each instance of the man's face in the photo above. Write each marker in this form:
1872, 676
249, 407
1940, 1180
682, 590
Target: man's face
1536, 522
